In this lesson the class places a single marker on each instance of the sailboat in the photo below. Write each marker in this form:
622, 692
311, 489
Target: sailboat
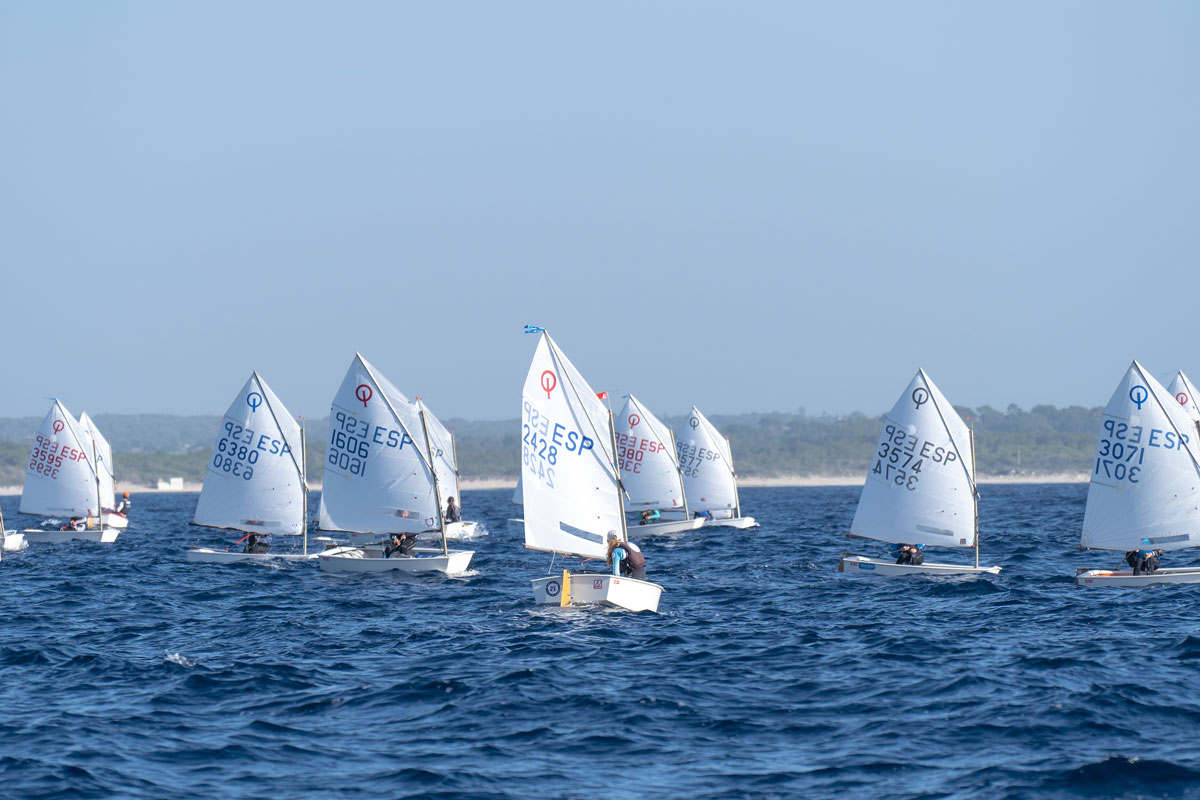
920, 488
256, 481
381, 478
445, 458
112, 518
62, 480
650, 470
1145, 486
570, 483
706, 460
11, 540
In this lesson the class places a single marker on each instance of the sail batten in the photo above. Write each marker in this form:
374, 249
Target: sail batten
1145, 484
920, 487
255, 479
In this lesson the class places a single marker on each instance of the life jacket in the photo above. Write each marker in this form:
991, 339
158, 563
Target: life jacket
633, 557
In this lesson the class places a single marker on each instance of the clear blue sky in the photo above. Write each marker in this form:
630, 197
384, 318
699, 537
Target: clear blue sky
750, 207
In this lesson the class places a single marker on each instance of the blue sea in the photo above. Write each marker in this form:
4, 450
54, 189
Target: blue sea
126, 672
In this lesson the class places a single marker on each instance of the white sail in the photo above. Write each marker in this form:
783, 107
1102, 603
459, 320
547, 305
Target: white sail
441, 444
649, 469
255, 479
104, 457
568, 475
378, 478
920, 487
60, 479
704, 458
1145, 487
519, 493
1182, 390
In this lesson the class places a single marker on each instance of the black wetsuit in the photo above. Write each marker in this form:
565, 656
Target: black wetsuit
404, 548
257, 543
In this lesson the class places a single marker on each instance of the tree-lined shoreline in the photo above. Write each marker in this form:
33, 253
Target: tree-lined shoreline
767, 447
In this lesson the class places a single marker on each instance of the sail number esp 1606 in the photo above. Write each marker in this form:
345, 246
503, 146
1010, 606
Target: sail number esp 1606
901, 457
544, 442
350, 441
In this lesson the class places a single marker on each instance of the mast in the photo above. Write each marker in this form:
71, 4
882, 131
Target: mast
96, 471
679, 471
454, 456
303, 489
737, 500
612, 433
301, 466
437, 491
975, 495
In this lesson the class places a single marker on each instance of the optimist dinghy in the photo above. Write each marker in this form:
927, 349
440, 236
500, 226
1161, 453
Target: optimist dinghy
921, 486
104, 458
381, 477
570, 483
63, 480
256, 481
1145, 488
650, 470
706, 460
11, 540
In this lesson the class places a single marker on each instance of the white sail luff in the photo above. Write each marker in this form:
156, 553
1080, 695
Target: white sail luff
920, 487
1145, 485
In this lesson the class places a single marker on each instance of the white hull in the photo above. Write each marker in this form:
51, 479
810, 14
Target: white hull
14, 541
37, 536
370, 559
655, 528
733, 522
455, 530
114, 520
590, 588
1111, 577
209, 556
861, 565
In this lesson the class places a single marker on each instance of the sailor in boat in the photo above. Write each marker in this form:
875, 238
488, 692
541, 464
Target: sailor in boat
257, 543
452, 512
650, 516
703, 515
909, 554
1143, 562
402, 543
123, 506
75, 524
625, 558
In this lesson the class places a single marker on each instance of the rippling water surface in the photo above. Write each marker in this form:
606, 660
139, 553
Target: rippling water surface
125, 671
